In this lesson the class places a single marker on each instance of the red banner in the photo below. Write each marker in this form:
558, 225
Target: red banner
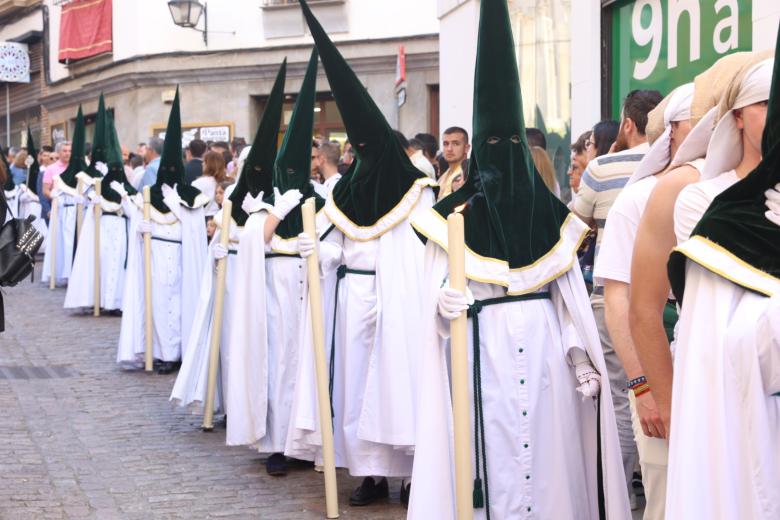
85, 29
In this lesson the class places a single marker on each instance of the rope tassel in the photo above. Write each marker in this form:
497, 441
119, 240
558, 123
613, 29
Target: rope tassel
479, 497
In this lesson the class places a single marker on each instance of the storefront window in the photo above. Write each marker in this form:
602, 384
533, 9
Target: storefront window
543, 46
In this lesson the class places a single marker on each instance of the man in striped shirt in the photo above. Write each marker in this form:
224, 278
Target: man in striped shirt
601, 183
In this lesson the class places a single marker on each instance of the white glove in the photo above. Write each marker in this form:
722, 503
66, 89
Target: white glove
171, 193
252, 204
119, 188
101, 167
220, 251
25, 195
452, 302
94, 198
589, 379
285, 203
144, 226
773, 204
80, 199
306, 245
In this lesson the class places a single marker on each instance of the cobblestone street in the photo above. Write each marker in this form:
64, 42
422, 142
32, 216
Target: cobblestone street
83, 439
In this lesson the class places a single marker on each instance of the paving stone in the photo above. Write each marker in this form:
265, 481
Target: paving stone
91, 441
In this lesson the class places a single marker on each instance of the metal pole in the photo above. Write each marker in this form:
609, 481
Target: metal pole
206, 24
7, 115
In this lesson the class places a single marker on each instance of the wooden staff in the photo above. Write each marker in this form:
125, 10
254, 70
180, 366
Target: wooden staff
148, 354
96, 284
79, 210
318, 335
216, 325
456, 251
53, 225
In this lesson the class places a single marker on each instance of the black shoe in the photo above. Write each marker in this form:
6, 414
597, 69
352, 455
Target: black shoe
369, 492
166, 367
406, 490
276, 465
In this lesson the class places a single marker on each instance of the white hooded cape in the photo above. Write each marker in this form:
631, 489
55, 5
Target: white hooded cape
113, 254
175, 283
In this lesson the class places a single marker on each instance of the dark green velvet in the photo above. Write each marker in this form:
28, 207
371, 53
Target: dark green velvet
9, 180
171, 171
35, 168
292, 169
510, 214
99, 141
256, 175
381, 173
77, 163
736, 218
115, 164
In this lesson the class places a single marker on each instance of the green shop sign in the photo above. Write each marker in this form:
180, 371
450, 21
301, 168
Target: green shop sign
661, 44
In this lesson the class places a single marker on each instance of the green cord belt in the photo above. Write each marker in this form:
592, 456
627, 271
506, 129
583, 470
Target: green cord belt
341, 272
480, 499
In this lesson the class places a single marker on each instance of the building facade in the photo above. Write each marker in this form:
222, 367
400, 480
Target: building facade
225, 80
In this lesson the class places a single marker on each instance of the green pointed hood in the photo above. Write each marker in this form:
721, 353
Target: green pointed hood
99, 141
115, 164
171, 170
257, 171
77, 163
292, 169
510, 215
9, 181
35, 168
736, 221
381, 173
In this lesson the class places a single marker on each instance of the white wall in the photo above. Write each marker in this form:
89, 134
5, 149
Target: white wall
585, 65
458, 55
31, 22
145, 27
766, 14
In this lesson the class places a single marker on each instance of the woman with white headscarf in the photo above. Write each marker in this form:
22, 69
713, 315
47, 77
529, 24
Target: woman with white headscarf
724, 455
650, 288
734, 148
667, 126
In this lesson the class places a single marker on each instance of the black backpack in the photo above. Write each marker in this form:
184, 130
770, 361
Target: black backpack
19, 242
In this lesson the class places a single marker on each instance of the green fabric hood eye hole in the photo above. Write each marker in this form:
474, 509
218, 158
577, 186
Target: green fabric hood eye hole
493, 140
515, 139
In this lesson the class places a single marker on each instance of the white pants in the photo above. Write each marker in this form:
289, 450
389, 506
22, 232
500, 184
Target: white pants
654, 459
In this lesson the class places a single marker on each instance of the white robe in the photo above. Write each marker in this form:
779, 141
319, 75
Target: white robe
377, 338
176, 270
540, 436
724, 450
113, 254
64, 236
266, 337
189, 390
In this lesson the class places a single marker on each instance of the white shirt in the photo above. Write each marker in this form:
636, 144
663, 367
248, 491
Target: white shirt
330, 182
319, 189
617, 244
207, 186
694, 200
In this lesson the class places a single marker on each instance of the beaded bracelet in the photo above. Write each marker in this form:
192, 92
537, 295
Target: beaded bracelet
641, 390
633, 383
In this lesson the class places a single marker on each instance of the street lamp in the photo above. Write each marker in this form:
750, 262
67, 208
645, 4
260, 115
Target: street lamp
186, 13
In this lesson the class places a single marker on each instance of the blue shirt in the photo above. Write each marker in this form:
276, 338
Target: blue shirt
150, 174
19, 175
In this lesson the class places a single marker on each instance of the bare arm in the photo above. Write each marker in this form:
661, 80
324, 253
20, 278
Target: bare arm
616, 303
271, 223
650, 286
